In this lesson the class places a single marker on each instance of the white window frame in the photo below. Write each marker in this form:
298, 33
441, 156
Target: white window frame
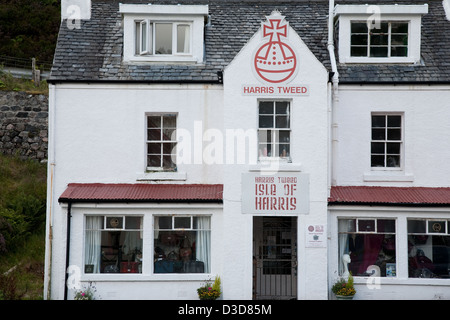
385, 141
151, 38
161, 141
275, 132
382, 13
389, 35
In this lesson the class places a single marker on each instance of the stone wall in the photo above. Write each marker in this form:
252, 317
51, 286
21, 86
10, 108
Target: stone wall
24, 125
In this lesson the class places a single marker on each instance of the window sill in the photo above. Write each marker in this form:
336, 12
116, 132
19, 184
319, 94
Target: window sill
163, 59
388, 176
275, 164
162, 175
364, 60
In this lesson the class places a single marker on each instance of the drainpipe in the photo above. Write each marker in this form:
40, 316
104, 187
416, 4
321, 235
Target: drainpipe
69, 218
50, 190
334, 90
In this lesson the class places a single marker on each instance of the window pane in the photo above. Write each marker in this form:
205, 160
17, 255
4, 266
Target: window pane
387, 225
183, 39
182, 222
399, 27
169, 121
154, 134
144, 37
378, 40
163, 38
183, 251
282, 122
394, 121
378, 51
282, 108
378, 134
399, 51
163, 222
359, 27
366, 225
401, 40
266, 107
436, 227
358, 51
284, 136
377, 161
378, 147
283, 150
392, 161
169, 161
154, 122
393, 148
358, 40
266, 121
169, 135
154, 160
347, 225
154, 148
416, 226
378, 121
168, 148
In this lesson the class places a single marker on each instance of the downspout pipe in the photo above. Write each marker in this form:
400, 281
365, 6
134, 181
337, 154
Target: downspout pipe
69, 218
334, 78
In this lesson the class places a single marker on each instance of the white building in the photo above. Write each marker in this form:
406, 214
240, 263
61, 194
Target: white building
260, 141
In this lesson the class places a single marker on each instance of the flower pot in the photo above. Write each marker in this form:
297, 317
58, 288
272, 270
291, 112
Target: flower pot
339, 297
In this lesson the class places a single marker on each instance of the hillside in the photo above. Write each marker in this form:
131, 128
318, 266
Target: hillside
22, 221
29, 28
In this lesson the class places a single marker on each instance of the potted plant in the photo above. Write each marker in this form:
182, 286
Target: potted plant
210, 291
86, 293
344, 289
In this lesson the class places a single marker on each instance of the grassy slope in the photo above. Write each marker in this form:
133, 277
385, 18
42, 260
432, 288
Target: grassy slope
26, 279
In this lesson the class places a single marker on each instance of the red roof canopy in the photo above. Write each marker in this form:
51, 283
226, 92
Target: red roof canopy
98, 192
389, 195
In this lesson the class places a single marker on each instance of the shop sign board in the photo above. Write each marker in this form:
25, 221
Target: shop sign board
280, 193
316, 236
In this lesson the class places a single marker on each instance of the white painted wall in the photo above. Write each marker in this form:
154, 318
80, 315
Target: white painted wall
309, 155
98, 134
426, 124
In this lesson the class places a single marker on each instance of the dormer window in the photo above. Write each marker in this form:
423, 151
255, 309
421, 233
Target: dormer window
163, 33
380, 33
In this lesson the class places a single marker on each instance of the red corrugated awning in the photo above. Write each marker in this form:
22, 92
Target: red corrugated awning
98, 192
389, 195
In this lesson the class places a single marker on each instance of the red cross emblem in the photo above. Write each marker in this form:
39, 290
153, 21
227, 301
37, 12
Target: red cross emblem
275, 61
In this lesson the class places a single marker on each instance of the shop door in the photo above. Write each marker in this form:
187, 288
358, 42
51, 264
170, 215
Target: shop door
275, 258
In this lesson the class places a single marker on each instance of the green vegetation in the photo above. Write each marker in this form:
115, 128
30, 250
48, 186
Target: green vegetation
10, 83
22, 228
29, 28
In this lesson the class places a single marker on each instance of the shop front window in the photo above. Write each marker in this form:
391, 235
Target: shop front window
367, 247
428, 248
113, 244
182, 244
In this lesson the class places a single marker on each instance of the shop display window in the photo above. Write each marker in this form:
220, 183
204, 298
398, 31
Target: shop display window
182, 244
113, 244
367, 247
428, 248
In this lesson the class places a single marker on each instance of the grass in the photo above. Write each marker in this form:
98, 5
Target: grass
22, 221
10, 83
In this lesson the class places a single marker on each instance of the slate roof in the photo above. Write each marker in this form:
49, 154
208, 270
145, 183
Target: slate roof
94, 52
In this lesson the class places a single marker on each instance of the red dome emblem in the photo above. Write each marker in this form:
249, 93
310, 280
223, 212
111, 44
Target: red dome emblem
275, 61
